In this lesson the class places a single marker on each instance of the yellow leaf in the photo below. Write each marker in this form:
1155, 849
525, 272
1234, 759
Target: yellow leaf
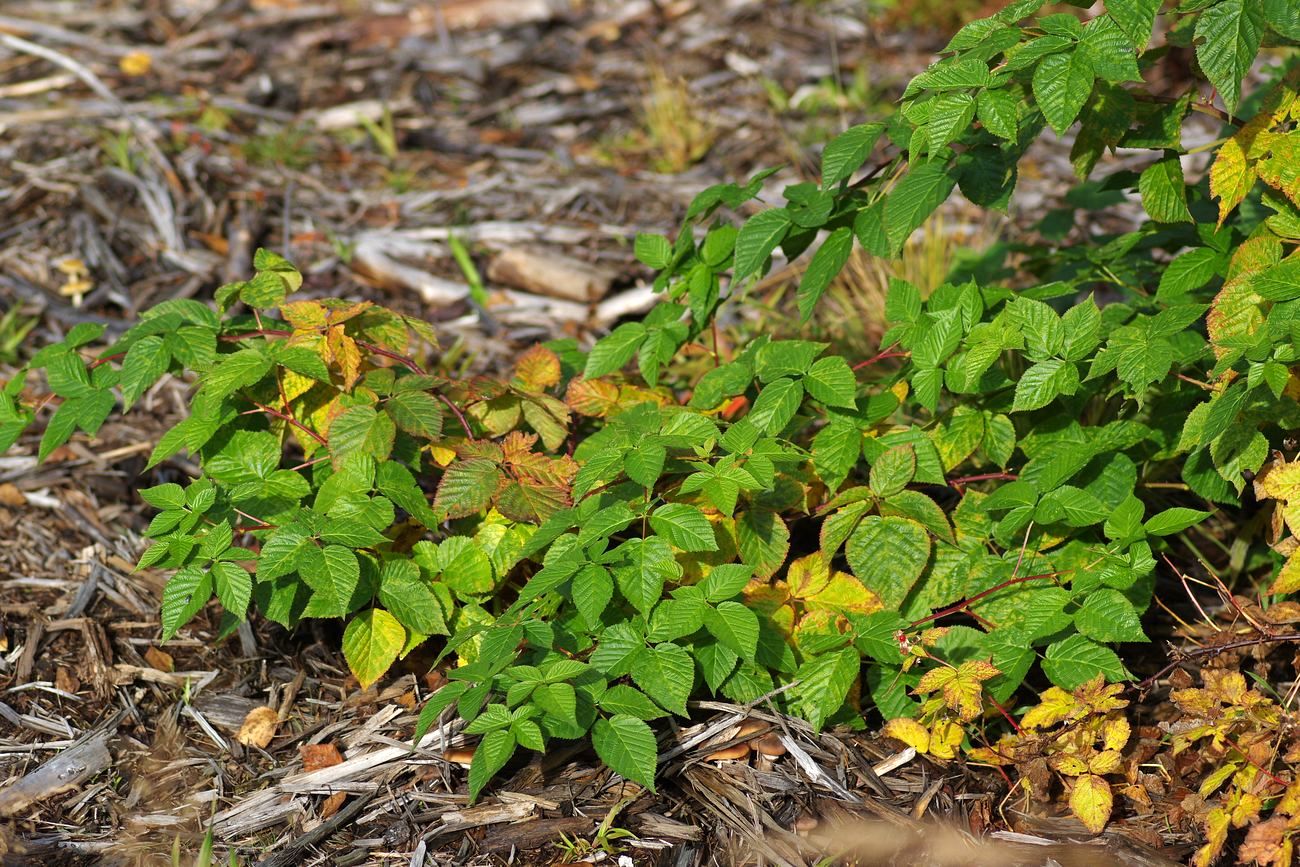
295, 385
1232, 174
1115, 733
1216, 835
442, 455
1055, 704
808, 576
345, 354
910, 732
304, 315
1070, 766
538, 368
1105, 762
135, 64
371, 643
936, 679
845, 593
1091, 801
1246, 810
945, 739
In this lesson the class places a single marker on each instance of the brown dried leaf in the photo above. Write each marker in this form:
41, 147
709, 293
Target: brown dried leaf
317, 756
332, 804
258, 728
159, 659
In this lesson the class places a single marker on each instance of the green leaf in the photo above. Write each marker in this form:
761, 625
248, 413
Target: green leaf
183, 597
1107, 615
684, 526
1189, 271
1081, 326
614, 350
236, 370
1229, 34
676, 618
1044, 382
642, 580
950, 117
361, 430
1135, 18
592, 589
490, 756
726, 581
786, 358
628, 747
824, 682
652, 250
1062, 84
888, 555
776, 405
920, 508
410, 598
465, 567
831, 381
645, 464
416, 412
667, 674
997, 110
835, 452
1074, 506
234, 587
371, 643
167, 496
893, 470
824, 266
846, 153
923, 189
145, 362
1076, 660
756, 241
1109, 50
282, 551
1164, 193
764, 541
736, 627
876, 636
1174, 520
623, 699
334, 573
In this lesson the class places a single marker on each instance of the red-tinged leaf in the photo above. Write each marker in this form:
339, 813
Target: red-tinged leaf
467, 487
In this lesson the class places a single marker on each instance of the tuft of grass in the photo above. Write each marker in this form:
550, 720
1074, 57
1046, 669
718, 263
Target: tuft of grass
674, 132
286, 147
14, 328
851, 314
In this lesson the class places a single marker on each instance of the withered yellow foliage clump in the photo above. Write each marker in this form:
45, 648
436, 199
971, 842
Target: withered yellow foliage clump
1280, 481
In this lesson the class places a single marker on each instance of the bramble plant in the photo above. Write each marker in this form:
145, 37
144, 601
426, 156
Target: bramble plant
597, 547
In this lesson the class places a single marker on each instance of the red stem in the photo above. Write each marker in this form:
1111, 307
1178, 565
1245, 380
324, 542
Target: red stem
291, 420
963, 605
881, 356
982, 477
459, 415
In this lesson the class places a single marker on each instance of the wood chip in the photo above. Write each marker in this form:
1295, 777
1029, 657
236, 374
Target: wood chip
549, 273
62, 773
258, 728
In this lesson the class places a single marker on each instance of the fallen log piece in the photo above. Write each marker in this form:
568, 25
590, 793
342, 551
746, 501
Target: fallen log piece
66, 771
546, 272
